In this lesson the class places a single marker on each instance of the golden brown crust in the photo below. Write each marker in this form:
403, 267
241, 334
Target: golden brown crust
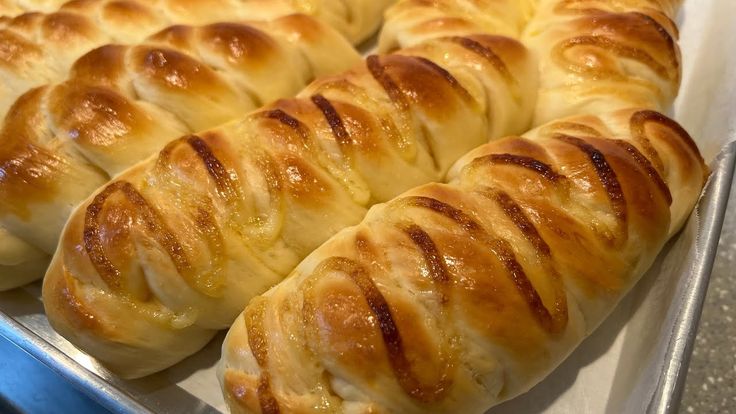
123, 103
253, 197
411, 22
40, 45
459, 296
600, 56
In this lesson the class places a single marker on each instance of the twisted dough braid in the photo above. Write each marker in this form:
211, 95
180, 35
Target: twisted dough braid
356, 19
171, 251
599, 55
455, 297
124, 103
40, 48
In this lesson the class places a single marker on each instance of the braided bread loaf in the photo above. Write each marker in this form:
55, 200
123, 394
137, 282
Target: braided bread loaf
151, 266
124, 103
356, 19
601, 55
455, 297
40, 48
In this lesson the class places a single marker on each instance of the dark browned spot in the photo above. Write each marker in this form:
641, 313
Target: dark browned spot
258, 343
514, 212
444, 74
288, 120
437, 269
606, 175
269, 404
456, 215
486, 53
505, 254
391, 336
528, 163
227, 185
333, 118
648, 168
378, 71
144, 212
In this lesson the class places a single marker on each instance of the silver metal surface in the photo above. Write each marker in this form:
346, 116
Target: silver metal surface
28, 386
712, 211
22, 322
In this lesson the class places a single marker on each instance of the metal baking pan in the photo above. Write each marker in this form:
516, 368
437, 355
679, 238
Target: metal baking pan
636, 362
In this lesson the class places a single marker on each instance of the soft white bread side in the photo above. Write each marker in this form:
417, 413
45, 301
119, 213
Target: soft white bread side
20, 262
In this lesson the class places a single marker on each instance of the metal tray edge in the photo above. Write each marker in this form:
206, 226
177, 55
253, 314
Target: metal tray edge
669, 391
81, 378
